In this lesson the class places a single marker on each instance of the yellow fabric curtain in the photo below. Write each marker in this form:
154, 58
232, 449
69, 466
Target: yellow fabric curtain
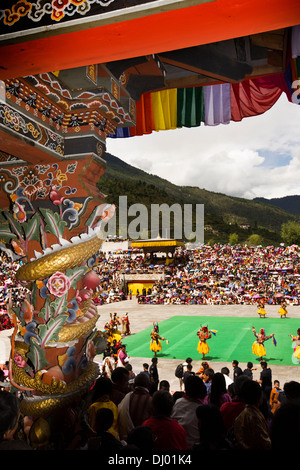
164, 105
134, 286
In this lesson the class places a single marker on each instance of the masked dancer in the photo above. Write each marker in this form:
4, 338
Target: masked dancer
258, 347
204, 334
296, 345
155, 343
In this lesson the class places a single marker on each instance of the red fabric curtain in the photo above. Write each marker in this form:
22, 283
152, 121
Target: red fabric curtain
253, 97
144, 116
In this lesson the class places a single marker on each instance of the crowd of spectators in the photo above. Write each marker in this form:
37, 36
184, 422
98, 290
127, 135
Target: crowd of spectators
9, 286
232, 275
120, 415
219, 274
131, 411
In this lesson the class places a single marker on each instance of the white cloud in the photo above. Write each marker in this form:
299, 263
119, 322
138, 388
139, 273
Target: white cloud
226, 158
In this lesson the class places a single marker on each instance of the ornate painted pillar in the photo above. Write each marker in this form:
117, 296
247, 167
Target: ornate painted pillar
53, 129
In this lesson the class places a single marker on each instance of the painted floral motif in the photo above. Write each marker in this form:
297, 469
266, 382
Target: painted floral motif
21, 8
90, 350
55, 300
19, 212
56, 196
108, 213
19, 361
58, 284
58, 9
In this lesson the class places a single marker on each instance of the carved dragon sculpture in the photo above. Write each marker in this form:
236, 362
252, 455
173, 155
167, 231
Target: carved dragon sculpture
55, 338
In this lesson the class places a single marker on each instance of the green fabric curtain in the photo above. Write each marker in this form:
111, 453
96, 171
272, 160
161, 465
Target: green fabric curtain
190, 107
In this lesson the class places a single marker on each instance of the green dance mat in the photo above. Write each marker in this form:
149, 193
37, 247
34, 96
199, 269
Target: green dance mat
233, 339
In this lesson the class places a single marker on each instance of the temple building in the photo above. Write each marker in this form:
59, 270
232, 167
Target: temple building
72, 75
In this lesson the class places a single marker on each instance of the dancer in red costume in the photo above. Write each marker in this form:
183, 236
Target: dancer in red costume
296, 345
258, 347
204, 334
155, 343
125, 325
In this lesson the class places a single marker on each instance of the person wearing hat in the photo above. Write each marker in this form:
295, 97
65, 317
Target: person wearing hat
261, 310
155, 343
296, 345
283, 310
258, 347
203, 335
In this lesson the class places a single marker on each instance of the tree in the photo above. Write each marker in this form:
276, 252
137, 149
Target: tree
290, 232
233, 238
254, 240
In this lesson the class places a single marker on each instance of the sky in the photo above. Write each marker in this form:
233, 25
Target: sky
257, 157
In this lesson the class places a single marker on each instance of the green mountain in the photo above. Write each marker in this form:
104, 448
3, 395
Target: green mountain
223, 214
288, 203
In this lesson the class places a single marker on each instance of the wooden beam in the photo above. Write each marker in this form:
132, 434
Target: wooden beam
185, 27
261, 70
275, 58
20, 148
196, 80
272, 40
198, 70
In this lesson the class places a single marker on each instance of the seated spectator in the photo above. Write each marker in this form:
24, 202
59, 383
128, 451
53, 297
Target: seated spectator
207, 376
9, 421
237, 371
101, 399
285, 426
231, 409
291, 392
140, 438
169, 434
146, 369
250, 428
3, 383
188, 372
249, 370
225, 371
274, 403
164, 385
218, 393
204, 365
154, 378
178, 394
131, 375
188, 361
211, 429
184, 410
120, 386
136, 406
104, 440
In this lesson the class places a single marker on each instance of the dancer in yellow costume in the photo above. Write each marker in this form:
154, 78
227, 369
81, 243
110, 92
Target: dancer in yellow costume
155, 343
114, 326
283, 310
258, 347
111, 331
261, 310
203, 335
296, 345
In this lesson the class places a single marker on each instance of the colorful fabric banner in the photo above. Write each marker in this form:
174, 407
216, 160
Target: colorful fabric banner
252, 97
295, 41
211, 105
164, 105
216, 104
190, 110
